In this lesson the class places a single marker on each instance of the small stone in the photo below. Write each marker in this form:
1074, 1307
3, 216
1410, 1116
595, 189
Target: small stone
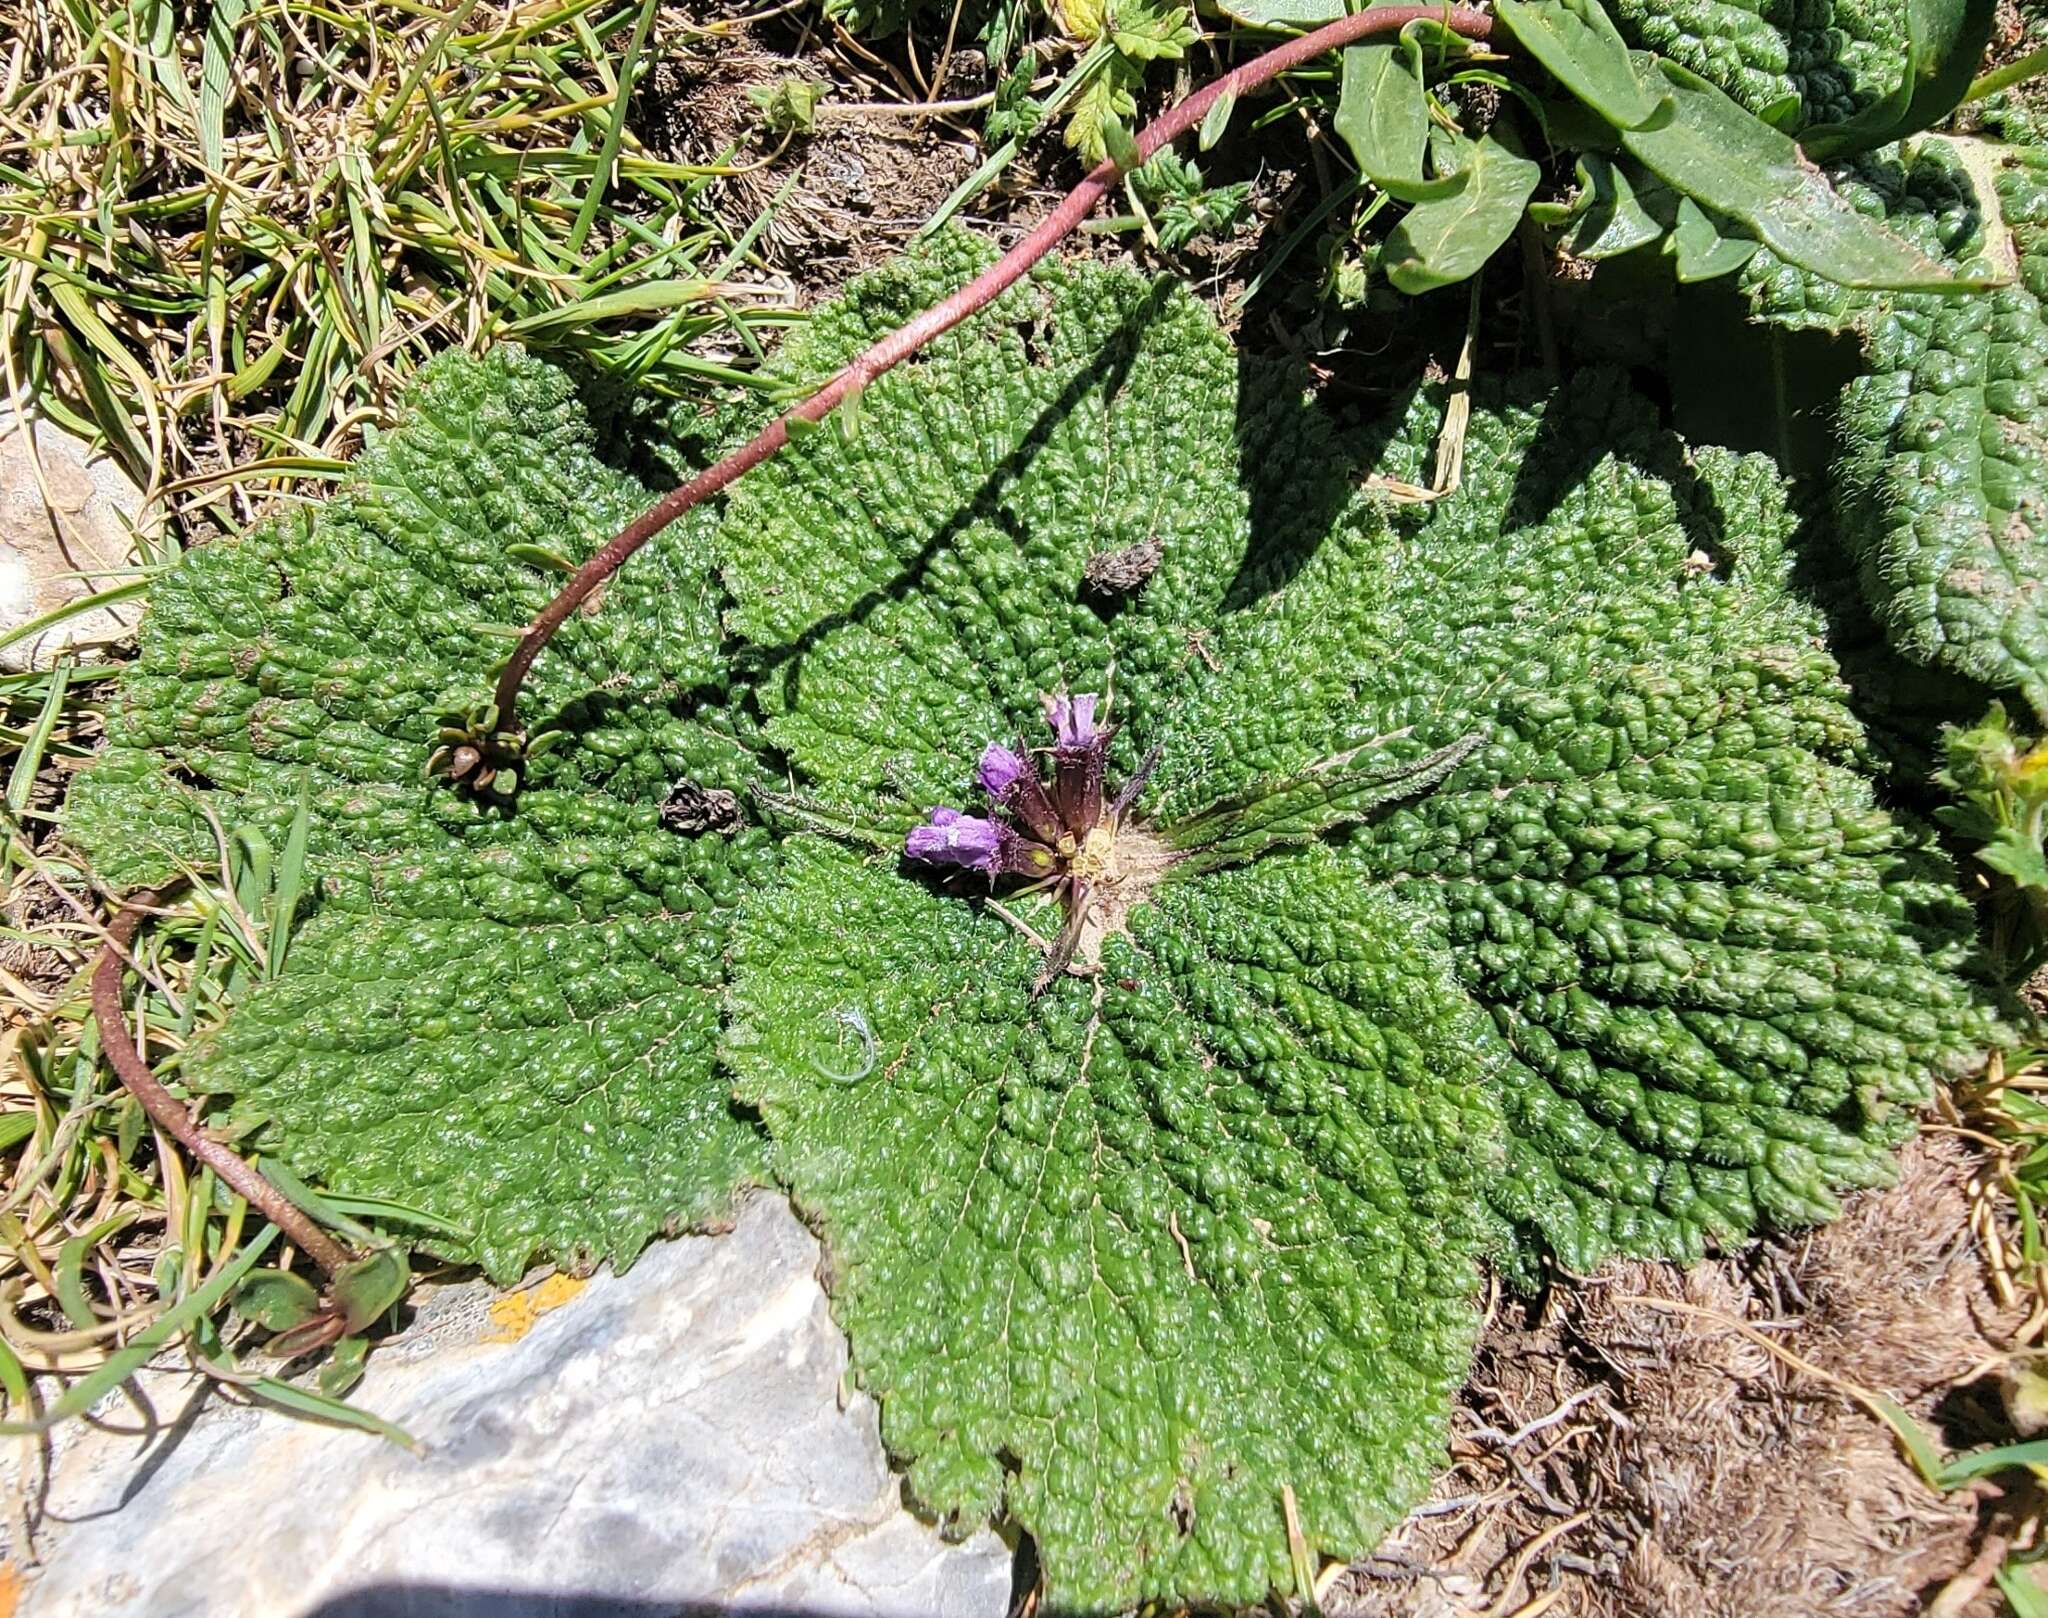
78, 518
1121, 572
669, 1440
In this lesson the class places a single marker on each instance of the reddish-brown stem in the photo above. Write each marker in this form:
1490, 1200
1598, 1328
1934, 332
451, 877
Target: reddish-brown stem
169, 1112
907, 339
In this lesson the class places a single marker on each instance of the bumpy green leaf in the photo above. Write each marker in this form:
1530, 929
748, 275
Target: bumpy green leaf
1508, 883
1943, 493
1127, 1259
1945, 43
507, 1020
1791, 62
1167, 1240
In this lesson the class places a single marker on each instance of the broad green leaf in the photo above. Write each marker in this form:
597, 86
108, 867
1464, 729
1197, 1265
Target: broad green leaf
1614, 214
1134, 1225
1578, 46
1943, 501
507, 1021
1727, 161
1443, 241
1647, 931
276, 1299
1562, 918
1302, 14
371, 1285
1702, 249
1216, 120
1383, 115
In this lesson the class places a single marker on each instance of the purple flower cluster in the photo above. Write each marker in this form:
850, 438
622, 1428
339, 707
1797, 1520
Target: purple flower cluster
1035, 831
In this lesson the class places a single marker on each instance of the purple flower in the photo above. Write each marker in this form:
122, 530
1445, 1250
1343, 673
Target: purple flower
999, 768
1072, 719
952, 838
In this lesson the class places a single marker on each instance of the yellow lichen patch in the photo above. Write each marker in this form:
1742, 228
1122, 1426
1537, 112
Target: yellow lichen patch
517, 1313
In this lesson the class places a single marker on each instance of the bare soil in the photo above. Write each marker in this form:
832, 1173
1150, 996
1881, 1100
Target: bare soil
841, 199
1626, 1450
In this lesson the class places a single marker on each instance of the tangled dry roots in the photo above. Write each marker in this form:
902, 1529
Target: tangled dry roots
1691, 1471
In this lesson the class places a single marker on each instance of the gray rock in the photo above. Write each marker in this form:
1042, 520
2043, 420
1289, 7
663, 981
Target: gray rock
666, 1442
76, 518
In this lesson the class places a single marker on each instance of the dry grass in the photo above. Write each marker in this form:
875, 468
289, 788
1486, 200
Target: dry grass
1657, 1442
227, 249
227, 245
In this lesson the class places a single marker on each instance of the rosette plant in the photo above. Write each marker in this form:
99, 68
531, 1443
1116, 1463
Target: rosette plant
1238, 960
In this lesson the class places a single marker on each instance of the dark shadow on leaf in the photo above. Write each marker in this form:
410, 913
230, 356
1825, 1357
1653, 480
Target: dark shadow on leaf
1106, 373
1298, 469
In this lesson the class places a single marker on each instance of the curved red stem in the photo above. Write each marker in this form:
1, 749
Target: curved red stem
170, 1114
907, 339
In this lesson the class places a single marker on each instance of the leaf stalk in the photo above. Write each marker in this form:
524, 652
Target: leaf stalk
171, 1115
942, 317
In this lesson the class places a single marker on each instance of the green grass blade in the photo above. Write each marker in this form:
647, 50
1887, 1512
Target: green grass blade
32, 627
83, 1394
615, 131
1967, 1468
291, 872
215, 62
322, 1407
30, 759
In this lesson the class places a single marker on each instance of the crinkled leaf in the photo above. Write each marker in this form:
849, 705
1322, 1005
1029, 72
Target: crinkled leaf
1791, 62
1578, 45
1944, 45
1443, 241
505, 1020
1649, 933
1126, 1259
1943, 492
1729, 161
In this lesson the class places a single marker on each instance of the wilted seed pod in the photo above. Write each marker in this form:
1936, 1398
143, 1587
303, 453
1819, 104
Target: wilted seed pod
463, 762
